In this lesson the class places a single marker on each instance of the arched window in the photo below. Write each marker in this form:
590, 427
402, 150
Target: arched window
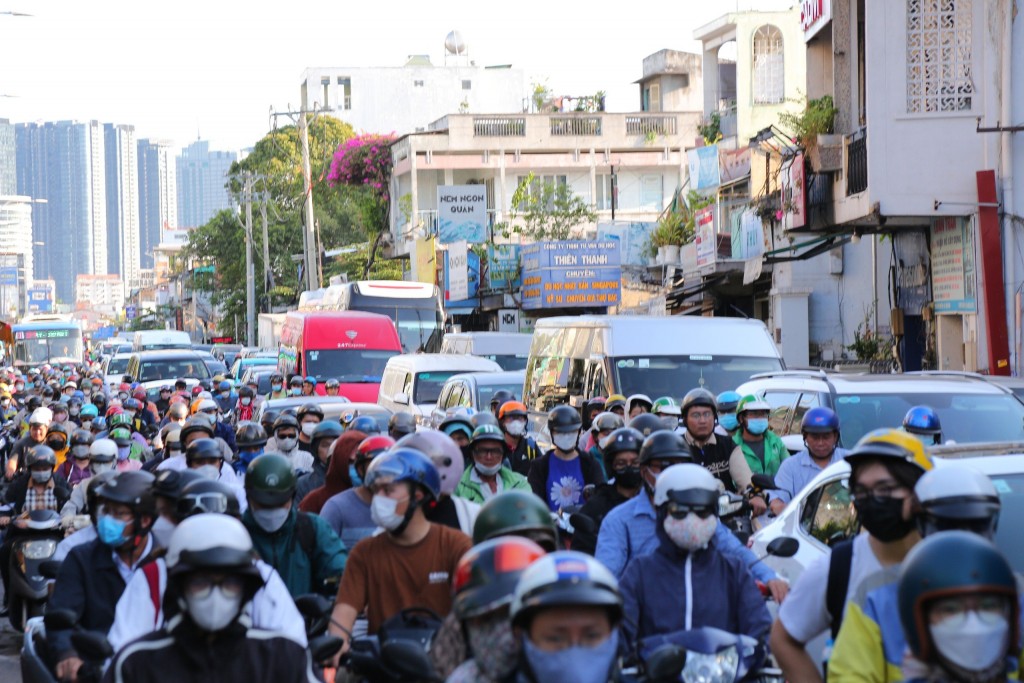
768, 70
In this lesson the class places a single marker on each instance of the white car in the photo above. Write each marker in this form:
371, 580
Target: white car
114, 370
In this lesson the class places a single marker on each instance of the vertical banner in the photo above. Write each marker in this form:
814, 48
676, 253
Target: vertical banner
423, 269
992, 268
706, 239
458, 272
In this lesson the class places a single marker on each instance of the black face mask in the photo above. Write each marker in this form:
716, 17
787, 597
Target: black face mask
883, 518
56, 444
629, 478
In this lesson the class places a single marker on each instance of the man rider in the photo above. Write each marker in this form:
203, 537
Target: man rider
321, 439
286, 442
309, 415
820, 429
488, 476
763, 448
277, 389
621, 451
38, 424
717, 454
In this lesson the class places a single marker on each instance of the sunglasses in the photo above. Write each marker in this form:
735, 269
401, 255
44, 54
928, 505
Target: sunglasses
681, 510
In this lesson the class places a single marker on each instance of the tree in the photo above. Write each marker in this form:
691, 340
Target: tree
546, 211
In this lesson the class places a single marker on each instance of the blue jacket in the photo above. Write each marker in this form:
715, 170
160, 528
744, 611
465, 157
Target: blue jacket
673, 590
313, 572
224, 431
629, 531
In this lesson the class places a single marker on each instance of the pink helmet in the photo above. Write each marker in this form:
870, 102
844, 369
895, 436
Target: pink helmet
442, 451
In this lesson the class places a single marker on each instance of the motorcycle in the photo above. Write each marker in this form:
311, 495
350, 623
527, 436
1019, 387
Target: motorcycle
38, 663
735, 512
398, 653
34, 541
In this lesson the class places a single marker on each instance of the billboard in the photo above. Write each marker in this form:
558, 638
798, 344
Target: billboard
9, 275
503, 266
462, 214
472, 283
571, 274
40, 300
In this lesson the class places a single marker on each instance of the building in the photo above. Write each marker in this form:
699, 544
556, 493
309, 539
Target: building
406, 99
8, 165
202, 180
105, 293
16, 271
158, 195
666, 83
122, 176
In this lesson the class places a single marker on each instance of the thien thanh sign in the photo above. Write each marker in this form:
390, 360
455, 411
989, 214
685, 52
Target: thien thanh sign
571, 274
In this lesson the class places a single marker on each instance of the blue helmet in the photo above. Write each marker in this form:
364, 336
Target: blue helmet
365, 424
224, 385
90, 410
727, 401
309, 379
923, 420
405, 464
820, 420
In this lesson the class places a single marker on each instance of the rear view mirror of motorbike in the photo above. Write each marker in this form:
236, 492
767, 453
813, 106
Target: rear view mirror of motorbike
60, 619
92, 646
665, 664
407, 660
783, 546
323, 648
50, 568
729, 504
764, 482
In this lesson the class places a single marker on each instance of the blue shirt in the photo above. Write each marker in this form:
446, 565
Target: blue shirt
565, 483
629, 531
797, 471
349, 516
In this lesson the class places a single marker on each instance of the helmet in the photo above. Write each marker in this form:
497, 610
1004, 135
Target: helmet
688, 484
309, 379
622, 439
103, 450
34, 402
207, 495
643, 399
615, 401
442, 451
89, 410
482, 417
310, 409
665, 445
499, 397
92, 485
207, 404
267, 420
371, 447
892, 445
820, 420
121, 420
276, 377
177, 411
487, 433
957, 496
133, 404
134, 489
60, 430
40, 455
169, 483
401, 424
250, 435
366, 424
81, 437
203, 449
596, 402
406, 464
457, 422
751, 402
564, 419
212, 542
698, 397
516, 513
666, 405
647, 424
172, 438
224, 385
122, 436
512, 409
41, 416
954, 563
328, 429
486, 576
295, 381
332, 383
286, 420
606, 422
566, 578
196, 424
923, 420
269, 480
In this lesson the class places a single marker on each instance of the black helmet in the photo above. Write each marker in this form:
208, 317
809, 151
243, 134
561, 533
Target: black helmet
482, 417
499, 397
564, 419
699, 397
34, 402
81, 437
92, 485
196, 423
207, 495
269, 480
665, 445
203, 449
245, 391
267, 420
516, 513
40, 455
286, 420
401, 424
647, 424
250, 435
134, 489
328, 429
310, 409
486, 576
169, 483
366, 424
622, 440
276, 377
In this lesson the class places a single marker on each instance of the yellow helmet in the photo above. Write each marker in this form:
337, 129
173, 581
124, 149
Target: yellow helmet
891, 443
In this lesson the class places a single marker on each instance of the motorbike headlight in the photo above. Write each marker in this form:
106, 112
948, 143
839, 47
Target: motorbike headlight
39, 550
719, 667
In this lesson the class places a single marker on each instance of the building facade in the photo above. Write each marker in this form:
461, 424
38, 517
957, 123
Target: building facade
105, 293
158, 195
16, 268
201, 180
8, 164
122, 189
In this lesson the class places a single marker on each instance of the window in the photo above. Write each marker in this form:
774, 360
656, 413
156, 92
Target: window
828, 513
325, 83
651, 193
345, 85
540, 180
781, 403
768, 66
808, 400
603, 196
652, 97
467, 85
939, 55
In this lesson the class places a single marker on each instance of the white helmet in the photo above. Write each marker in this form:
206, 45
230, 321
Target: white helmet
563, 579
103, 450
209, 540
643, 398
686, 477
207, 404
957, 496
41, 416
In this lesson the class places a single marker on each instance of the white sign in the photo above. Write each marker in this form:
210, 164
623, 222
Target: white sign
508, 320
814, 16
458, 271
462, 214
706, 240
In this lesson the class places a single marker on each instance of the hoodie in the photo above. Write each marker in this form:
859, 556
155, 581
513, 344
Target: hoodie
336, 479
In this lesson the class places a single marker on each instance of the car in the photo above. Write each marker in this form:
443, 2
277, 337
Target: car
213, 364
157, 368
413, 381
226, 352
335, 408
971, 409
205, 348
261, 375
114, 369
474, 390
242, 363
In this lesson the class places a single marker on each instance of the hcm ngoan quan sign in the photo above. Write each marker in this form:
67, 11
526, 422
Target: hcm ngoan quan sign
571, 274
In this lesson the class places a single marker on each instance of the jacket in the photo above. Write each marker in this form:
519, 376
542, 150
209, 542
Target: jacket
522, 456
336, 478
470, 490
673, 590
223, 430
18, 491
311, 480
605, 499
283, 550
180, 652
714, 456
538, 476
775, 452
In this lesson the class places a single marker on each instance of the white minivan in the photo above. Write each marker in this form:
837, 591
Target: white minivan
412, 382
510, 350
160, 340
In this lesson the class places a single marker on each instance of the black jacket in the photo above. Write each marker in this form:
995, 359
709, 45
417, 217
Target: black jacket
605, 499
18, 490
520, 458
715, 458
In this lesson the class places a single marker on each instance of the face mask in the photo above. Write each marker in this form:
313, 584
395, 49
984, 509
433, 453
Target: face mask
287, 444
100, 467
296, 391
691, 532
628, 478
308, 427
123, 452
495, 647
56, 444
972, 644
60, 417
516, 427
487, 471
111, 531
215, 611
5, 402
19, 387
225, 394
80, 451
74, 410
211, 472
41, 477
564, 442
276, 387
86, 391
353, 475
271, 520
578, 664
382, 510
122, 396
86, 424
883, 518
246, 401
757, 426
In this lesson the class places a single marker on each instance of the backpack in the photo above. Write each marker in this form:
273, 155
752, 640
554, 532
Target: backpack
839, 566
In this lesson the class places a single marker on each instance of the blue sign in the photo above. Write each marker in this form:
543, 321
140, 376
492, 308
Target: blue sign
571, 274
105, 332
503, 266
131, 311
39, 300
474, 281
9, 275
704, 169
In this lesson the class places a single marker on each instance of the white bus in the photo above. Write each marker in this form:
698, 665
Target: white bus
414, 307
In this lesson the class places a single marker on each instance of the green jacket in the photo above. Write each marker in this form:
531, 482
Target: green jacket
470, 490
775, 452
315, 571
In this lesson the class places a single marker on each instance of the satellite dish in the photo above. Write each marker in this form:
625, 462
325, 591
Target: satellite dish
454, 43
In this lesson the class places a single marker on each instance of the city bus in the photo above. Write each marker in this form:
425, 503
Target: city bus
414, 307
50, 340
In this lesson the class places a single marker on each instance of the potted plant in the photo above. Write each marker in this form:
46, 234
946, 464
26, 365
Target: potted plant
813, 129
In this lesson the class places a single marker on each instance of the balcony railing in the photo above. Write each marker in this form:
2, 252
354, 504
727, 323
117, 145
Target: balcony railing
857, 162
575, 125
644, 125
499, 126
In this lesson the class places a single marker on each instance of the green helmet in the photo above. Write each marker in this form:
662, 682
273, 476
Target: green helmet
516, 513
269, 480
120, 420
487, 433
666, 405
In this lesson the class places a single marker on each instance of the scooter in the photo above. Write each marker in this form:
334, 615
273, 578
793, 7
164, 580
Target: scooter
398, 653
34, 541
38, 663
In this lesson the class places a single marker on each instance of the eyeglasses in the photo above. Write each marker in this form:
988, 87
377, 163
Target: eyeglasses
287, 435
680, 510
701, 414
200, 585
989, 608
488, 452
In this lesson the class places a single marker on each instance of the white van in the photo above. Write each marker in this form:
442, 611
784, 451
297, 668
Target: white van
412, 382
574, 358
159, 340
510, 350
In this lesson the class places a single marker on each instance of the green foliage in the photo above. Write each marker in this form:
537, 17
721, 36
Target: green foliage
711, 130
545, 211
867, 344
817, 118
152, 319
678, 225
541, 95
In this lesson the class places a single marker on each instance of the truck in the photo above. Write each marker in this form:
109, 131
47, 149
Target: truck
268, 329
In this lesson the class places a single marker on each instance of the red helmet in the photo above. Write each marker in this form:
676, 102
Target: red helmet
140, 394
125, 387
372, 446
114, 410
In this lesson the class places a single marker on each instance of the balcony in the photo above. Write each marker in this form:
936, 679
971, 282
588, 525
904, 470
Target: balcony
586, 124
856, 162
499, 126
647, 124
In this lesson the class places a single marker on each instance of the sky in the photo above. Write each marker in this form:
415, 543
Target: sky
186, 69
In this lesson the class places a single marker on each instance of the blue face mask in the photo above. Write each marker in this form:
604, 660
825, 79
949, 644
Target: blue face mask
728, 421
123, 452
296, 391
354, 476
111, 531
248, 456
582, 664
757, 426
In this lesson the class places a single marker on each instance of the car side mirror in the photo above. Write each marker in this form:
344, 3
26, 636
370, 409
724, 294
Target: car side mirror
401, 398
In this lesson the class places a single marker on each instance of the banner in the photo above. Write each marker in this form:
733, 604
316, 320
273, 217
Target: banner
457, 268
704, 169
571, 274
953, 266
462, 214
503, 266
706, 240
9, 275
632, 238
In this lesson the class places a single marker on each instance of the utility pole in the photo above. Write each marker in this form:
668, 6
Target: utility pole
250, 275
268, 273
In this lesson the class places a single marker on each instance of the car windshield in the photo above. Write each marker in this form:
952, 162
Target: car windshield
509, 362
485, 391
965, 418
1011, 495
419, 329
429, 385
172, 369
675, 375
117, 366
348, 366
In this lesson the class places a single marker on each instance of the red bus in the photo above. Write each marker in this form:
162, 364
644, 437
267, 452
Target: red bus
350, 346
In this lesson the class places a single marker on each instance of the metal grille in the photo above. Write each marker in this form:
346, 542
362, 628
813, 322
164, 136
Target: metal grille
939, 55
769, 66
642, 125
499, 126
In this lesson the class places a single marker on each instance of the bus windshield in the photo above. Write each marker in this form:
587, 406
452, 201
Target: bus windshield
50, 345
675, 375
153, 370
419, 329
348, 366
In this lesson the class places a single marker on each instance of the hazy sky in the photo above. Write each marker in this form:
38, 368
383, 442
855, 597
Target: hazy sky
214, 67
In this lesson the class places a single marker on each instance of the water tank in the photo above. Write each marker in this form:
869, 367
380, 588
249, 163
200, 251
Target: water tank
455, 44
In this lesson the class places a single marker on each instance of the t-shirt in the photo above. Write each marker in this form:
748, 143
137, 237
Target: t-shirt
804, 612
758, 448
349, 516
565, 482
386, 578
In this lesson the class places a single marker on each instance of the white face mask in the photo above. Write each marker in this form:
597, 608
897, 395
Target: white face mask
100, 467
972, 643
564, 442
487, 471
308, 427
246, 401
287, 444
215, 611
382, 510
516, 427
691, 532
211, 472
271, 520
